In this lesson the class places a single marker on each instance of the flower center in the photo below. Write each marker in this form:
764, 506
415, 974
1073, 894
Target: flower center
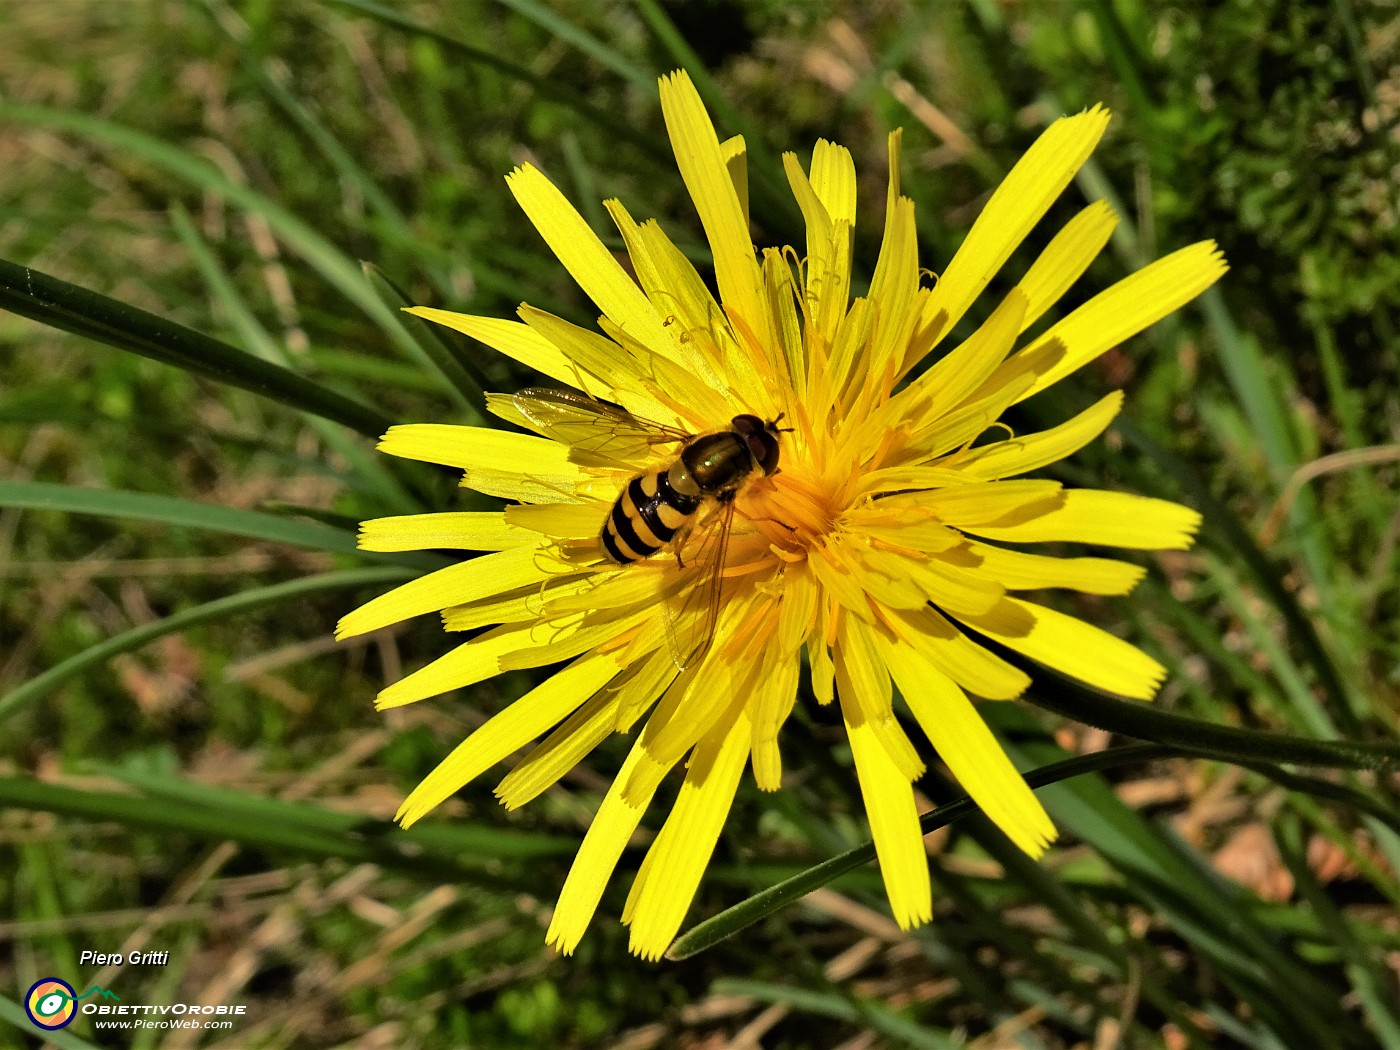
791, 512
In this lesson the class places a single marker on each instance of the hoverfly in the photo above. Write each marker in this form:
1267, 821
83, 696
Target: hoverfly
689, 499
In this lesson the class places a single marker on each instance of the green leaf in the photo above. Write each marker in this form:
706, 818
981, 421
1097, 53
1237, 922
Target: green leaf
51, 301
256, 598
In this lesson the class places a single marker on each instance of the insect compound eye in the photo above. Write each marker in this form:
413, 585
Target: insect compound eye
762, 444
768, 457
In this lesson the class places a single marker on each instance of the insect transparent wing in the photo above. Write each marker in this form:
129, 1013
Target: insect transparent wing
592, 427
692, 610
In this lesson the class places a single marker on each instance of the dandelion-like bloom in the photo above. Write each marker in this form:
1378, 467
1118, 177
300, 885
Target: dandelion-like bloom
874, 548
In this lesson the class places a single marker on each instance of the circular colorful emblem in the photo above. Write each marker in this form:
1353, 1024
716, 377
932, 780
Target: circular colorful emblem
51, 1003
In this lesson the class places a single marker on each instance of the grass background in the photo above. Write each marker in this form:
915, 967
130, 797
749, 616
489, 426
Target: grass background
221, 792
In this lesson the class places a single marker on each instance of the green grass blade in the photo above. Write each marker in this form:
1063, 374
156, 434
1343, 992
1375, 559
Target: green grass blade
1223, 530
543, 86
469, 382
364, 464
300, 827
13, 1013
1359, 801
41, 685
318, 252
1144, 722
875, 1015
560, 27
767, 184
1197, 904
83, 312
169, 510
727, 923
1373, 984
460, 839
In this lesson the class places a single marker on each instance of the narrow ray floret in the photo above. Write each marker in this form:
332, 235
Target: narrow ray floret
721, 479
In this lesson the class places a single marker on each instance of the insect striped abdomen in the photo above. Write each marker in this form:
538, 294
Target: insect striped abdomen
645, 517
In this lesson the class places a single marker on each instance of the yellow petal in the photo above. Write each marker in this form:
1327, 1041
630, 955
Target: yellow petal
962, 426
512, 466
1130, 306
1065, 258
819, 647
671, 873
466, 581
704, 347
707, 179
554, 597
567, 636
820, 246
964, 742
834, 180
586, 257
894, 822
505, 648
941, 645
1082, 651
516, 341
1116, 519
517, 606
951, 587
507, 731
895, 285
608, 835
838, 572
831, 392
956, 375
651, 677
737, 163
780, 291
469, 663
630, 373
1019, 571
969, 506
563, 521
904, 582
863, 684
563, 749
1017, 205
776, 696
703, 693
464, 530
674, 288
1019, 455
903, 527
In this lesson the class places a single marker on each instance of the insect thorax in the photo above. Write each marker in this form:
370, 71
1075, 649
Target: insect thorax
718, 463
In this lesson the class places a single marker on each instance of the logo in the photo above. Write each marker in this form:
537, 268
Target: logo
52, 1004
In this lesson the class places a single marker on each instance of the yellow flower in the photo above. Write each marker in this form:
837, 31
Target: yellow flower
873, 548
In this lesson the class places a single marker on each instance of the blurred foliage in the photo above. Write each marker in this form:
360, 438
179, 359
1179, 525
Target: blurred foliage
1191, 903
